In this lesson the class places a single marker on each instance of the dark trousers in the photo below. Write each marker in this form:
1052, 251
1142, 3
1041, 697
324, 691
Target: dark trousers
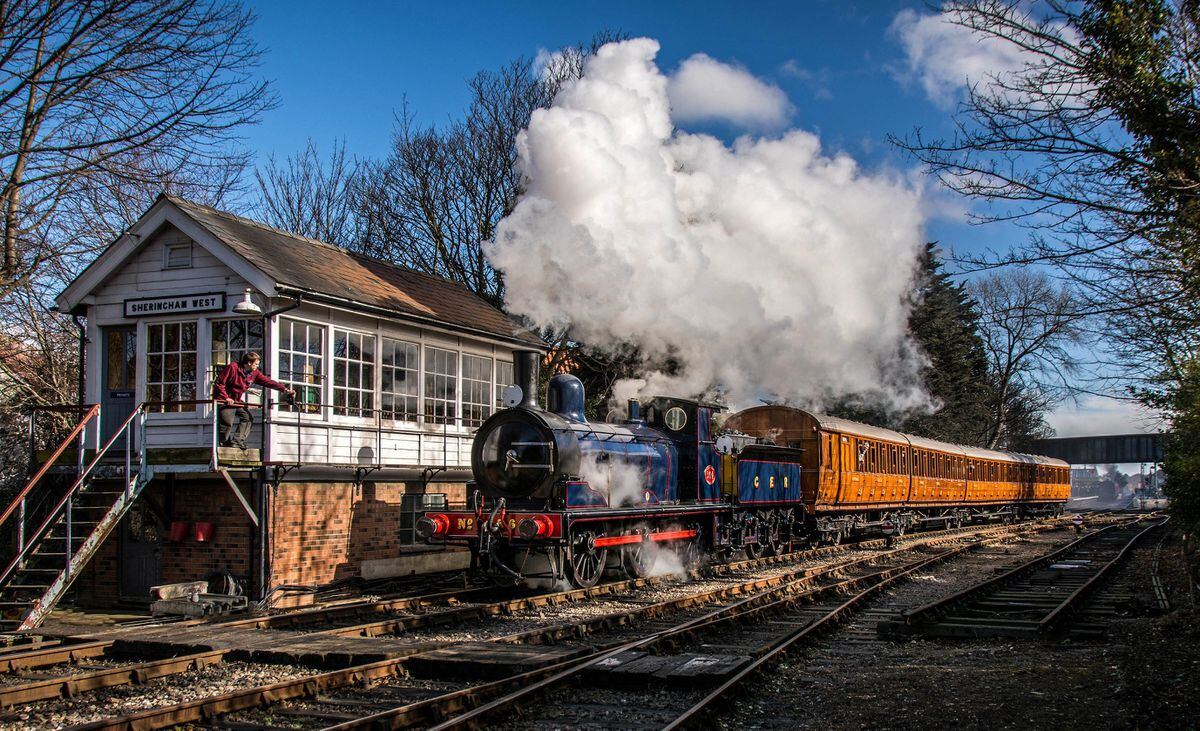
237, 421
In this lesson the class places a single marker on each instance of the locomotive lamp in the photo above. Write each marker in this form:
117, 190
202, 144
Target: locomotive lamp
432, 526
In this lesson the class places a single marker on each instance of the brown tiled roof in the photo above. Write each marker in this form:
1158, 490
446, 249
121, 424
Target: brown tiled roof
315, 266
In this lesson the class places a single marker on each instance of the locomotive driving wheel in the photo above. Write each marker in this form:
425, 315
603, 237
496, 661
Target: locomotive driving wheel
691, 553
585, 562
639, 559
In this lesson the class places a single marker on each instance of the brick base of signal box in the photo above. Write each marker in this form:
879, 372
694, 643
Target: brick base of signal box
317, 533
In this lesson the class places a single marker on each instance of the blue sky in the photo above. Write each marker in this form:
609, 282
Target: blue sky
342, 70
342, 73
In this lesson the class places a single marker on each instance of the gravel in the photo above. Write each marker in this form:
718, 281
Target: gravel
125, 700
1144, 676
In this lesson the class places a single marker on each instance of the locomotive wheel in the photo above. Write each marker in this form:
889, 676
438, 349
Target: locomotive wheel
691, 553
639, 559
753, 550
585, 561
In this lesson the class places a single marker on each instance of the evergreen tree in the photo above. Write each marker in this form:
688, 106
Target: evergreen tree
944, 322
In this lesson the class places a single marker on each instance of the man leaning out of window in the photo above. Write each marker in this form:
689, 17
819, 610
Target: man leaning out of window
229, 390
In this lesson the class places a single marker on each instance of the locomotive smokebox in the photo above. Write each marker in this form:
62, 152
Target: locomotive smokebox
525, 365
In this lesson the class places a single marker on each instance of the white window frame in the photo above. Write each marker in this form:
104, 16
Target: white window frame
163, 353
487, 403
415, 370
427, 417
371, 387
499, 385
231, 355
283, 366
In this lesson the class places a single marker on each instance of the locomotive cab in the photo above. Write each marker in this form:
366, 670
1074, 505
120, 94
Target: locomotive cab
689, 424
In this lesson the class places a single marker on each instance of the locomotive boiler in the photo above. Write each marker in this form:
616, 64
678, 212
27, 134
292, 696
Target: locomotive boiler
557, 497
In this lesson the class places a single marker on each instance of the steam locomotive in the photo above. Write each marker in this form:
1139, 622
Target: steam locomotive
558, 498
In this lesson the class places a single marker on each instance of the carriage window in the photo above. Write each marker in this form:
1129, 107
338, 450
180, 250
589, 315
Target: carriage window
399, 372
478, 392
862, 456
441, 386
171, 364
301, 362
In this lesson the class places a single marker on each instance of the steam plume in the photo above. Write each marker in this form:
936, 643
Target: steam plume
765, 269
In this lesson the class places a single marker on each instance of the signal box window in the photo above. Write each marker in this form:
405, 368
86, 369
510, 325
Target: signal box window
353, 374
301, 362
477, 389
231, 339
441, 386
400, 374
504, 378
171, 364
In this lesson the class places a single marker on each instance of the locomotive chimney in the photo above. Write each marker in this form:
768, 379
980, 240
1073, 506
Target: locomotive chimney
525, 364
635, 411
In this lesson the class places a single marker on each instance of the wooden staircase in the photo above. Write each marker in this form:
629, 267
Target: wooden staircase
58, 524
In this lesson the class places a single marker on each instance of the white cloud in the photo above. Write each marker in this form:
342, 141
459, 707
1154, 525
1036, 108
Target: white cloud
1099, 416
767, 268
945, 57
704, 89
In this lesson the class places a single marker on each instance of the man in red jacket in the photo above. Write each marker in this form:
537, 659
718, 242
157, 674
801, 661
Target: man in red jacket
228, 390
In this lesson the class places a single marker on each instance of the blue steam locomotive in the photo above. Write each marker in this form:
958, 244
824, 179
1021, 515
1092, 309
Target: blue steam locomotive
557, 497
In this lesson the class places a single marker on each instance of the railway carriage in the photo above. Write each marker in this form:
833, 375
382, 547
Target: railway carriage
559, 498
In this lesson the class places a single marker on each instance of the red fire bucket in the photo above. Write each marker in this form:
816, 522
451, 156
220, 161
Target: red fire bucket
204, 532
179, 531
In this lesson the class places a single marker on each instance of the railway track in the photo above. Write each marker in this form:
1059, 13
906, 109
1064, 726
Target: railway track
346, 694
1043, 596
101, 670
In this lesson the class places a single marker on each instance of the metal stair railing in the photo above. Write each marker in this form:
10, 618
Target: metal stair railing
133, 482
19, 503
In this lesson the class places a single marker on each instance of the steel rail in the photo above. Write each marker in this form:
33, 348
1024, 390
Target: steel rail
72, 685
1052, 620
690, 716
13, 662
536, 680
308, 686
927, 612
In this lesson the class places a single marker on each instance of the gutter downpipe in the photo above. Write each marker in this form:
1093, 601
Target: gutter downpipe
264, 488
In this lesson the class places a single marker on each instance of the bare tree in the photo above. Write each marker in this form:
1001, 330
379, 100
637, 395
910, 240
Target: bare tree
442, 190
104, 100
1030, 329
1094, 145
311, 196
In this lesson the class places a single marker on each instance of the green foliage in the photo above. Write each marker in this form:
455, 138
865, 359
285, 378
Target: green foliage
944, 322
1182, 447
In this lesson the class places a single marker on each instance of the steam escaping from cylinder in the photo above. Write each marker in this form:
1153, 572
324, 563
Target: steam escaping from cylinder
764, 269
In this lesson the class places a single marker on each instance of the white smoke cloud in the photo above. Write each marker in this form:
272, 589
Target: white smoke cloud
768, 268
705, 89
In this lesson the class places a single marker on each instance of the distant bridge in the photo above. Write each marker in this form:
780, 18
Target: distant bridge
1117, 449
